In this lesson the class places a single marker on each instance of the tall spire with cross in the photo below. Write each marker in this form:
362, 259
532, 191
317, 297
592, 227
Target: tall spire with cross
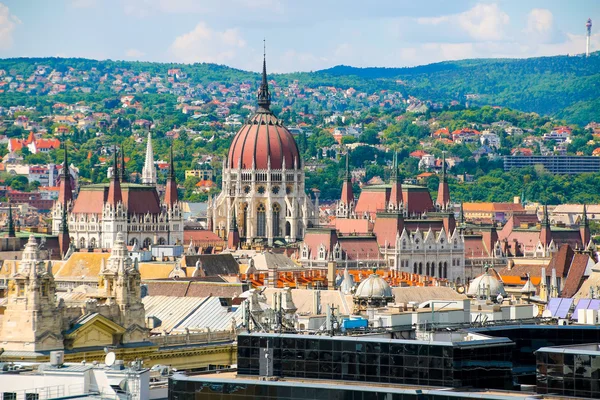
171, 196
264, 95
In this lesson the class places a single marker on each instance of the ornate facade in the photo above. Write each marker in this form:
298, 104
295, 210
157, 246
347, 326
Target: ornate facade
101, 211
263, 197
396, 226
34, 321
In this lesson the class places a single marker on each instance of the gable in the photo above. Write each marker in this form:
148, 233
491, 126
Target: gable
93, 330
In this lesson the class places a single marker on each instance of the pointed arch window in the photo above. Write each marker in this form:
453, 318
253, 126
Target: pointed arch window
261, 220
82, 243
276, 213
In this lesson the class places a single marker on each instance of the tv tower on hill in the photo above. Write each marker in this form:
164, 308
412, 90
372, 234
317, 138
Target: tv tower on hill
588, 26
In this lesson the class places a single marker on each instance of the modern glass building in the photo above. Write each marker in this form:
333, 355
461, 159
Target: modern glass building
530, 338
569, 370
213, 387
480, 363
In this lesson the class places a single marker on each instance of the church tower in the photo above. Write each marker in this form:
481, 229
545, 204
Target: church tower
30, 321
149, 170
584, 228
65, 197
172, 205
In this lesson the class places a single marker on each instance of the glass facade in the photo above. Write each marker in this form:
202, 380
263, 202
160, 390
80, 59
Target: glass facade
568, 372
530, 338
206, 389
485, 363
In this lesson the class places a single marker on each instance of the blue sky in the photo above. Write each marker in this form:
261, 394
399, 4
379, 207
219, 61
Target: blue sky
302, 35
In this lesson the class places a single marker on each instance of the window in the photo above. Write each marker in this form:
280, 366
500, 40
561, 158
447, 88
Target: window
276, 212
82, 243
147, 243
261, 223
162, 241
32, 396
93, 242
9, 396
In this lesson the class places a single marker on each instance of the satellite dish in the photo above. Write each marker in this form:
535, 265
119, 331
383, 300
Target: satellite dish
110, 358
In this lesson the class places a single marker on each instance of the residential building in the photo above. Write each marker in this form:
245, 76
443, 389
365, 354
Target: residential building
555, 164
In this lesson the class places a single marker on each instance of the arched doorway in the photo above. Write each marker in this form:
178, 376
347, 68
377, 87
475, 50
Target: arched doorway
288, 228
162, 241
147, 243
93, 243
82, 243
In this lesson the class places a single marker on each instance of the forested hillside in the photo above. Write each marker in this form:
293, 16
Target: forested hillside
567, 87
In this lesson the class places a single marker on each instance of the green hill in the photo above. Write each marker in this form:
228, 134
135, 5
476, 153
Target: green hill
567, 87
561, 86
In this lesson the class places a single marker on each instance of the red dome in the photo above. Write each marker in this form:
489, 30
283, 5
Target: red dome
262, 136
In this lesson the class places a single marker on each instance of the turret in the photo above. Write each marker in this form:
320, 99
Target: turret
584, 228
443, 196
65, 191
233, 238
545, 231
114, 189
171, 196
11, 225
346, 205
396, 193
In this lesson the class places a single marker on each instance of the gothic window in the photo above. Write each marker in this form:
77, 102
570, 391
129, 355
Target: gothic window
288, 228
93, 242
261, 223
288, 189
82, 243
276, 212
420, 268
132, 242
445, 270
404, 244
440, 274
162, 241
414, 268
147, 243
322, 252
427, 269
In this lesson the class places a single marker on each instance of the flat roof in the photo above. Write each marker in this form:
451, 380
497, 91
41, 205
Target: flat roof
463, 343
319, 384
592, 349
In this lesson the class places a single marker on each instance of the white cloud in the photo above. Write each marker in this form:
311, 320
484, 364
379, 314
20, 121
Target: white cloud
134, 53
541, 27
203, 44
8, 23
83, 3
483, 22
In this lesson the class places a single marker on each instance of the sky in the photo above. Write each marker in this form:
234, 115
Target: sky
301, 35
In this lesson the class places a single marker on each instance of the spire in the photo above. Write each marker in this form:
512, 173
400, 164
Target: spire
545, 231
443, 197
346, 205
171, 196
11, 225
233, 237
65, 192
122, 172
584, 219
149, 170
584, 228
461, 215
396, 193
114, 189
264, 96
